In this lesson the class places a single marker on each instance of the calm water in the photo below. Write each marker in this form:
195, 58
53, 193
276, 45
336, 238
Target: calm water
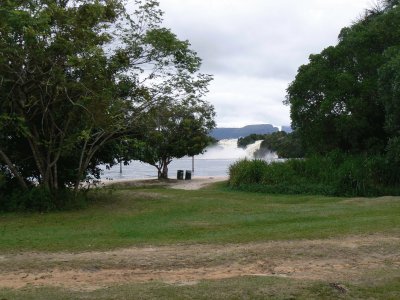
202, 167
214, 162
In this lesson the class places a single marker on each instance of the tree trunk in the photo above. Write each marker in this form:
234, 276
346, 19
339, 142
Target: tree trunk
163, 169
87, 154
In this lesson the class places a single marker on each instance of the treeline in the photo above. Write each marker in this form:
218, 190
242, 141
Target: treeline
285, 145
346, 97
87, 83
345, 111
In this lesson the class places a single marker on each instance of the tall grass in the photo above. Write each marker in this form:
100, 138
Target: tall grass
336, 174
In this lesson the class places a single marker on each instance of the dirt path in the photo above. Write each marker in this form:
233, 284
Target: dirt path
332, 260
195, 183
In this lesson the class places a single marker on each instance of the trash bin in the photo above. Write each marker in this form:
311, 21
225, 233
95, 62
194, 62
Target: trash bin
188, 175
179, 175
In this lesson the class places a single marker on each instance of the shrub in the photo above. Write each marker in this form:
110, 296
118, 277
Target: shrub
336, 174
247, 172
38, 199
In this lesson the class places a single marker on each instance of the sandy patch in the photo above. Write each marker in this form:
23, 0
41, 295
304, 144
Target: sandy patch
333, 260
197, 182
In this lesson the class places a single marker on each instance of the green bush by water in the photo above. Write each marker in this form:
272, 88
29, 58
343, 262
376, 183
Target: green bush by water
336, 174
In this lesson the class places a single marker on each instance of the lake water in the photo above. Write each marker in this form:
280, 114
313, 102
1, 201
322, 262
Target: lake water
214, 162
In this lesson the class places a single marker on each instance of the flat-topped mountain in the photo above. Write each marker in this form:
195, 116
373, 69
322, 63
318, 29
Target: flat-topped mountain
235, 133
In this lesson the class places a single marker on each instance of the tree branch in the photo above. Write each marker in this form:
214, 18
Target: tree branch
14, 170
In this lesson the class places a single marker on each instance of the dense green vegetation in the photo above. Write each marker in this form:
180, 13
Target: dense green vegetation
345, 112
336, 174
286, 145
78, 82
243, 142
170, 131
159, 216
346, 97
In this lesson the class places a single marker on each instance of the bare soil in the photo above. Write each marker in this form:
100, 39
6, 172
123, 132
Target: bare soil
334, 260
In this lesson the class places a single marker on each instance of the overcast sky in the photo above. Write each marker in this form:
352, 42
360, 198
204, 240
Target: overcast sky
253, 48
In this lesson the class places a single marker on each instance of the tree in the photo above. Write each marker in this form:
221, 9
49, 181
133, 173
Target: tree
243, 142
55, 79
286, 145
178, 124
74, 80
389, 87
336, 101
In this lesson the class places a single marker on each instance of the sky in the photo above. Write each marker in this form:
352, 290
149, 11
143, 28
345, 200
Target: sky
253, 48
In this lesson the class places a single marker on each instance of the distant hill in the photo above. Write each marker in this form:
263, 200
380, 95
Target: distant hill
235, 133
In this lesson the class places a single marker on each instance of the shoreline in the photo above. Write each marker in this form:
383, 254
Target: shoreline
197, 182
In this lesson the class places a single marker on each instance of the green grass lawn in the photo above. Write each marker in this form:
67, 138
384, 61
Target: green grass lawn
159, 216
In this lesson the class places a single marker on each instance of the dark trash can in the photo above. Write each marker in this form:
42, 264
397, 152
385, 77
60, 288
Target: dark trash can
188, 175
179, 175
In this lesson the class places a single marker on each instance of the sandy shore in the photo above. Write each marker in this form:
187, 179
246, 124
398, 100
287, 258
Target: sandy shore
197, 182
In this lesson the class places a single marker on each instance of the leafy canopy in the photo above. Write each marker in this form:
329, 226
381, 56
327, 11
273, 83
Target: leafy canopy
75, 79
345, 97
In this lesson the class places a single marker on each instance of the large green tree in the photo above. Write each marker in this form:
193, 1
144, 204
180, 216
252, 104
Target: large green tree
74, 80
179, 122
344, 98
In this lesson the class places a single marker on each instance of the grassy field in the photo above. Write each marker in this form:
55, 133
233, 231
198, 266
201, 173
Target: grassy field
270, 228
165, 216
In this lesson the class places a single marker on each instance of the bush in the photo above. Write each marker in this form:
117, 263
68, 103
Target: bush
38, 199
247, 172
335, 174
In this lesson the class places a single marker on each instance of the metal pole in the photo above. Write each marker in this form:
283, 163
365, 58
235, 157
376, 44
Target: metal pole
120, 167
193, 164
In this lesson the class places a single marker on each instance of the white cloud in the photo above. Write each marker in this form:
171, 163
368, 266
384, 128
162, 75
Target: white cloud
241, 100
254, 48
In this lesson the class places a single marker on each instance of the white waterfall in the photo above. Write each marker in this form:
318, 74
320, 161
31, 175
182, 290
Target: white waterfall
252, 148
228, 149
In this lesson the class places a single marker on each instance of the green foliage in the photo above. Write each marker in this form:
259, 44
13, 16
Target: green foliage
246, 172
39, 199
335, 174
59, 99
286, 145
243, 142
75, 78
389, 87
213, 141
346, 97
177, 123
